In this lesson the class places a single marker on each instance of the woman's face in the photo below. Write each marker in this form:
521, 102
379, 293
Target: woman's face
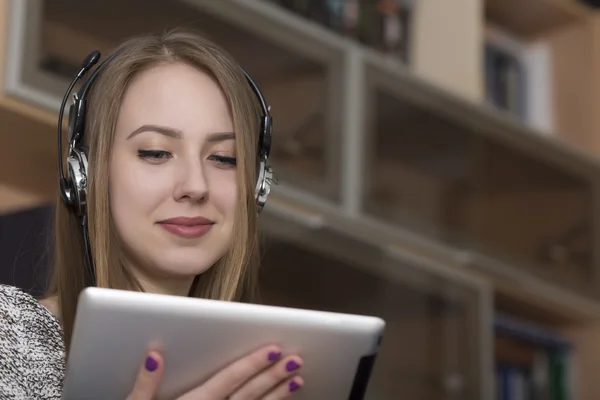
173, 175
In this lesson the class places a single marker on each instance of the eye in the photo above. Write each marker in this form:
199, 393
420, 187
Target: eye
224, 161
154, 155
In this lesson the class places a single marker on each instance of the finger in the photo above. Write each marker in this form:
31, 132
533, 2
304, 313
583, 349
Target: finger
230, 378
268, 379
148, 378
285, 389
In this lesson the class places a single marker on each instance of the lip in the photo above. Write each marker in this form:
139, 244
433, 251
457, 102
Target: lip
187, 227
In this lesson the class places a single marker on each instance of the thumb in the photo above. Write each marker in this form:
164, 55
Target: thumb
148, 378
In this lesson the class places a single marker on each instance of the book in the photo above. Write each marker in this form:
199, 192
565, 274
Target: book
532, 362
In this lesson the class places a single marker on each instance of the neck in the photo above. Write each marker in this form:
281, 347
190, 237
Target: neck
174, 287
160, 283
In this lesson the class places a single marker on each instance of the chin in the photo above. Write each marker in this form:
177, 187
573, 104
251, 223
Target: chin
185, 263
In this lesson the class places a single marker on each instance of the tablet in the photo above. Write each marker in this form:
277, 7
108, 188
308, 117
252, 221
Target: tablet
197, 337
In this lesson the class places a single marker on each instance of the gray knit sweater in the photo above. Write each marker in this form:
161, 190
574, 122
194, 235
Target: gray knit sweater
32, 349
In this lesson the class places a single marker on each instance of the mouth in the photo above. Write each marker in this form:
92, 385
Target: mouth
187, 227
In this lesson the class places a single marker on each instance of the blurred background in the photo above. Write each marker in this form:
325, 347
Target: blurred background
437, 163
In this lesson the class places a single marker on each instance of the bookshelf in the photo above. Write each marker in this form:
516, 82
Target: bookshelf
397, 177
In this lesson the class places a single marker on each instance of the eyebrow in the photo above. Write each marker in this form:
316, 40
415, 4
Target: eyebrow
163, 130
176, 133
220, 136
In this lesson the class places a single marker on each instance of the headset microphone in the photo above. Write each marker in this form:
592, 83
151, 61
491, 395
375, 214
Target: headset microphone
89, 61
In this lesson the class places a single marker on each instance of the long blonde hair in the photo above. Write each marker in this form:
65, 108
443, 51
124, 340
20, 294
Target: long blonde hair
233, 278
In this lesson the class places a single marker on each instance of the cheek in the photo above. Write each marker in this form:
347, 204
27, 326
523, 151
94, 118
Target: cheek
132, 192
224, 195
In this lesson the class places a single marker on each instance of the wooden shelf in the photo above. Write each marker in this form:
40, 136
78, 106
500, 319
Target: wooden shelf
532, 18
28, 153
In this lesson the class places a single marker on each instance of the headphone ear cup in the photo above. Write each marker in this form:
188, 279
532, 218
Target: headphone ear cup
264, 172
76, 162
77, 167
263, 184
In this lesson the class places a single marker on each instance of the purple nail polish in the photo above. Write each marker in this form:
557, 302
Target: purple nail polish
291, 366
151, 364
294, 386
274, 355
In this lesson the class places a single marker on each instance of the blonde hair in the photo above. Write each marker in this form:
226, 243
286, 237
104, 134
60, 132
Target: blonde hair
233, 278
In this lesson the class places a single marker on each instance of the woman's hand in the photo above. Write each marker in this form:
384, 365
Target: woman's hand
263, 374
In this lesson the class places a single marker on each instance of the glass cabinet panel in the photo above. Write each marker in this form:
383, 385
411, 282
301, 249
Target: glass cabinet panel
443, 174
432, 345
299, 76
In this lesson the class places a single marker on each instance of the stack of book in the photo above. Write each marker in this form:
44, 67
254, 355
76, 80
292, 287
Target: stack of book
532, 362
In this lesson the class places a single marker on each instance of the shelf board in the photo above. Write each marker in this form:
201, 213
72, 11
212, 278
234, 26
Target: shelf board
533, 18
28, 146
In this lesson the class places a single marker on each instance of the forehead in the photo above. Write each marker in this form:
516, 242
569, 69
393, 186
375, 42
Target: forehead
175, 95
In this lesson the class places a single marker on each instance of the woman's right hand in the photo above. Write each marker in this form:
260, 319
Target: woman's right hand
263, 374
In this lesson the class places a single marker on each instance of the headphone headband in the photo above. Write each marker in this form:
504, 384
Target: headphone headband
73, 184
70, 189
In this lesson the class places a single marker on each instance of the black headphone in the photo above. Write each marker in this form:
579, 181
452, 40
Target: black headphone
73, 185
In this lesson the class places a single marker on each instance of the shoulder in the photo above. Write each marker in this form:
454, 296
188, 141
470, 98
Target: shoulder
24, 319
11, 297
19, 307
31, 347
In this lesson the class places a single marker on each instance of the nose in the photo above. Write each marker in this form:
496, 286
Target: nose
191, 182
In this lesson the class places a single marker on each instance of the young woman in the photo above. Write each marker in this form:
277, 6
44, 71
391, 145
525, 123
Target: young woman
177, 143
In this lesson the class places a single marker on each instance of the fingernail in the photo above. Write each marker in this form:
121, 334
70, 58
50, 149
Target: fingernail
151, 364
291, 366
274, 355
294, 386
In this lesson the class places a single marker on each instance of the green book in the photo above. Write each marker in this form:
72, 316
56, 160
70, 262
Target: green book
558, 375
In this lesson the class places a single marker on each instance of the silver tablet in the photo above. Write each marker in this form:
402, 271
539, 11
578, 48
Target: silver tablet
197, 337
